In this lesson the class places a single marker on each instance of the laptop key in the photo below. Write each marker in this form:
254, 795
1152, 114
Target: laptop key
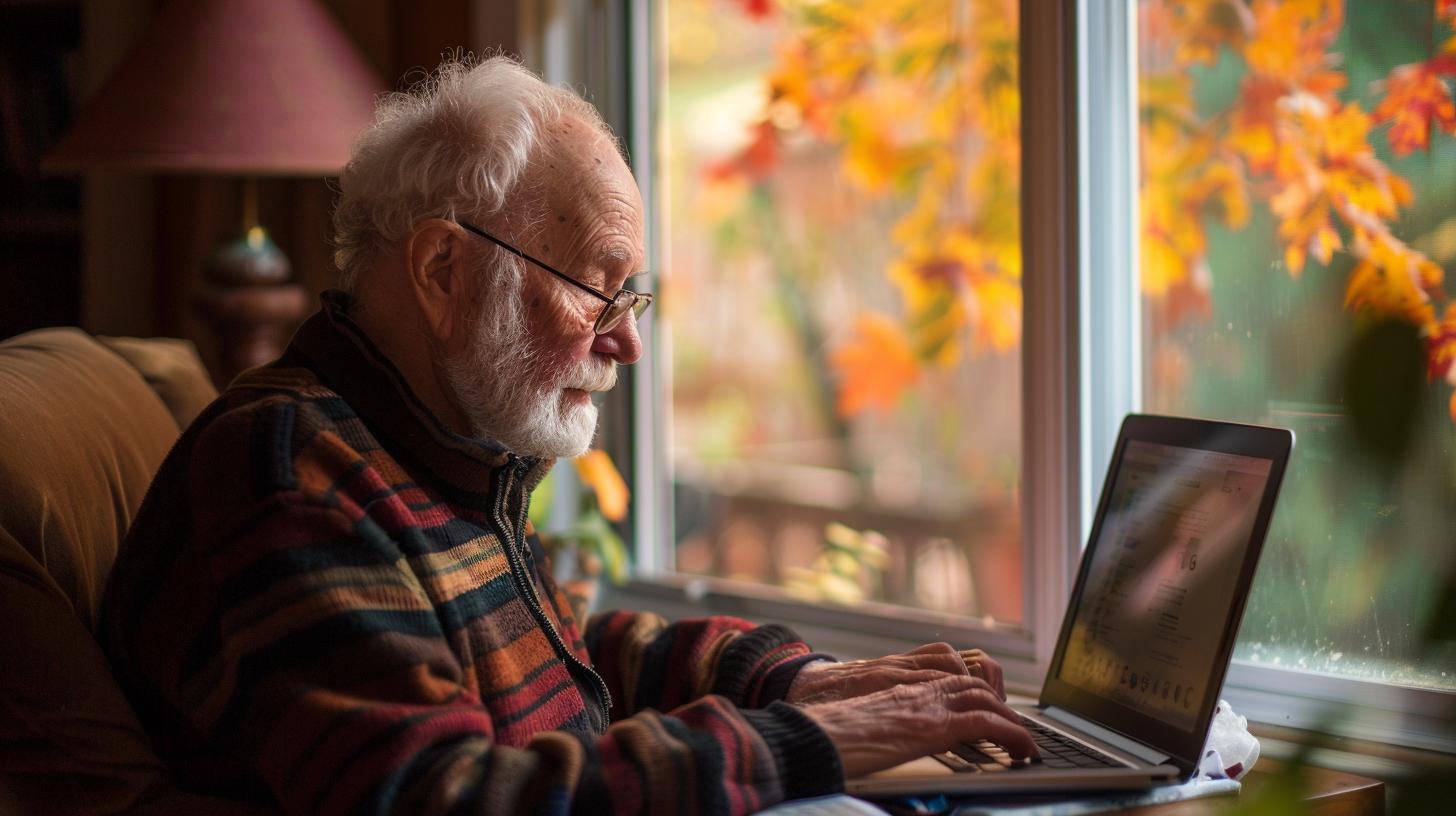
956, 763
986, 756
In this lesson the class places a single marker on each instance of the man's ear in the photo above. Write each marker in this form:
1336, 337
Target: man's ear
438, 260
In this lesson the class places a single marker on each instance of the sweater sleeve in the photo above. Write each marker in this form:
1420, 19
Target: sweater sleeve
650, 663
330, 674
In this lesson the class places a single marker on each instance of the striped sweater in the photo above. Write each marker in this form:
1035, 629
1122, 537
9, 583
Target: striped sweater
331, 603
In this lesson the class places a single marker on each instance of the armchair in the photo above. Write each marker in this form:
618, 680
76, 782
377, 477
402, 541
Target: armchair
84, 424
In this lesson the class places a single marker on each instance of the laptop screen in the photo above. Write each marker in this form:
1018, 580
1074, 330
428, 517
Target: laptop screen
1163, 576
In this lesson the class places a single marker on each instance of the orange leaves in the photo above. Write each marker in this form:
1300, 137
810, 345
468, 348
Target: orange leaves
876, 367
1441, 344
1441, 352
1186, 177
1205, 26
596, 470
1291, 38
757, 159
1392, 279
920, 102
1416, 97
1303, 149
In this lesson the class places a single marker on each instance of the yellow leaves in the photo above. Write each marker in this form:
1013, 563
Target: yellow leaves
878, 155
1184, 176
1208, 25
1392, 279
997, 313
963, 280
1291, 37
1309, 155
596, 471
1324, 242
848, 561
1344, 134
919, 98
1256, 144
791, 93
1273, 51
876, 367
1304, 225
935, 316
1161, 266
1325, 167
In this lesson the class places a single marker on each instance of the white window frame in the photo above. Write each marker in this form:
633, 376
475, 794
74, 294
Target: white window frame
1111, 351
1082, 307
1052, 510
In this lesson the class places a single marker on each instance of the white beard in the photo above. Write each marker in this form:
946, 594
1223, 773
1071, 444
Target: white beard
495, 384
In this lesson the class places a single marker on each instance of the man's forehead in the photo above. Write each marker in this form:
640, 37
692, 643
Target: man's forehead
584, 194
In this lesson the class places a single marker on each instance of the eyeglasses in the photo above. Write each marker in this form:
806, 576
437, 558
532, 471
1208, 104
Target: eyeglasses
618, 305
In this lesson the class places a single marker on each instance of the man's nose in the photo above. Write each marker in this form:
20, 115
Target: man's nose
622, 343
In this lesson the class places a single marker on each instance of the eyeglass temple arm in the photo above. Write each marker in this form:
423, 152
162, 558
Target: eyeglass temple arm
518, 253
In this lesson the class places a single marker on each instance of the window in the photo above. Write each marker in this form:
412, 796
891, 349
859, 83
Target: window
1298, 185
1168, 274
841, 299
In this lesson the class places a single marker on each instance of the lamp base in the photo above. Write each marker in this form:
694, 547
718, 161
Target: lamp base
250, 302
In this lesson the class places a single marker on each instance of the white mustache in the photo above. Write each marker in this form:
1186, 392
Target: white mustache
591, 376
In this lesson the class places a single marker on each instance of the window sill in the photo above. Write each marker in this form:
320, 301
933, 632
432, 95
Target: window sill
1349, 717
867, 630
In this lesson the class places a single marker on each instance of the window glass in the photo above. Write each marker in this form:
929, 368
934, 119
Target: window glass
1297, 191
841, 298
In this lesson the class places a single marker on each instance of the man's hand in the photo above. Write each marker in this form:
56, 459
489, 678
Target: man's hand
828, 681
884, 728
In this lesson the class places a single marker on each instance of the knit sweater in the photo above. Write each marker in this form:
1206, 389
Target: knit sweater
330, 602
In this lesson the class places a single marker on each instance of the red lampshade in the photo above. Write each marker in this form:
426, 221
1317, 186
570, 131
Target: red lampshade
237, 87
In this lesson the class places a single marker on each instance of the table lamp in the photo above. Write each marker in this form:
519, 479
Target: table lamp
242, 88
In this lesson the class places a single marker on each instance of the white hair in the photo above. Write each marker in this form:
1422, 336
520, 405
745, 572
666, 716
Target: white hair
455, 145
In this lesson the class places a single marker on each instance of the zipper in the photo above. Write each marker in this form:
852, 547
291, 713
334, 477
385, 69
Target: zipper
512, 542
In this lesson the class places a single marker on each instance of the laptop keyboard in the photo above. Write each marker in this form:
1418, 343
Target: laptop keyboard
1057, 752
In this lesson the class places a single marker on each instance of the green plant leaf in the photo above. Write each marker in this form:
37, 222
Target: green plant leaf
541, 500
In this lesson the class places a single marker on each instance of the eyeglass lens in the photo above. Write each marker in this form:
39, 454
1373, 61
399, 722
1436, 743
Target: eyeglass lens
626, 300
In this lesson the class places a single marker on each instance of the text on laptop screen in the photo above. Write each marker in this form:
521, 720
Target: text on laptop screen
1160, 586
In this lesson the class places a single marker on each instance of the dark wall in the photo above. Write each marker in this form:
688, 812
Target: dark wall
121, 255
40, 261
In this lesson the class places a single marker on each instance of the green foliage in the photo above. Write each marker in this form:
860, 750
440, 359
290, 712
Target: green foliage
592, 533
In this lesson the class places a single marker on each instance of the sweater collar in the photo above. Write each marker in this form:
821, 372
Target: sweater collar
348, 362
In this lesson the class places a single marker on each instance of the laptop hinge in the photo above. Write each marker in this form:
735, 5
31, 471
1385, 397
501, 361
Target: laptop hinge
1112, 738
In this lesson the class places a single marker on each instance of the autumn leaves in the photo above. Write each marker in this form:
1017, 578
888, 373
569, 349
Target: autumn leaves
921, 98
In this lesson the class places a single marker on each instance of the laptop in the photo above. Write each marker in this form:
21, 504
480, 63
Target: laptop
1147, 635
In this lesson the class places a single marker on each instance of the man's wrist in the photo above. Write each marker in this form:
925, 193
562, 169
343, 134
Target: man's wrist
807, 761
795, 689
781, 680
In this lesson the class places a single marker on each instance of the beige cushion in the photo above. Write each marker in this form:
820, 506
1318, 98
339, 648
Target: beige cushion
81, 434
173, 370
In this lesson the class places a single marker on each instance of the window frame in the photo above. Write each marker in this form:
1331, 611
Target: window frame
1080, 363
1308, 701
1051, 506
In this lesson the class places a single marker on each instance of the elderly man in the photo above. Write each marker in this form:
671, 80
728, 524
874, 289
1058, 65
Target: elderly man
331, 599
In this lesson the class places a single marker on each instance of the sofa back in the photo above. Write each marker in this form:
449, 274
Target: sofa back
81, 434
